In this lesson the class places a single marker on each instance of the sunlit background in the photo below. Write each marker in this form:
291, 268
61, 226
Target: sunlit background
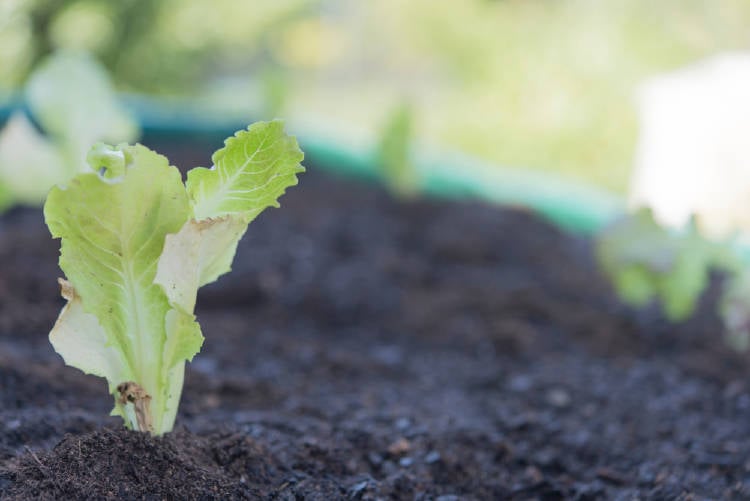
539, 84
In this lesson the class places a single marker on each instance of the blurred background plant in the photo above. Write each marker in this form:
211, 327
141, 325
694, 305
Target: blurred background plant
71, 98
394, 154
534, 83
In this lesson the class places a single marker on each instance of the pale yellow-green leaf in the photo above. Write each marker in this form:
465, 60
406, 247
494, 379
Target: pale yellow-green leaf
29, 163
249, 174
198, 254
81, 341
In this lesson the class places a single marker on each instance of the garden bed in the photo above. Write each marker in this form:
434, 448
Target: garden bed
364, 348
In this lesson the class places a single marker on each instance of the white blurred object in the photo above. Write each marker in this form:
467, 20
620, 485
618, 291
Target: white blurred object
693, 152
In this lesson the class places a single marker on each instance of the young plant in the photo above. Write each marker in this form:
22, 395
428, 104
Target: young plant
137, 244
734, 309
646, 261
394, 154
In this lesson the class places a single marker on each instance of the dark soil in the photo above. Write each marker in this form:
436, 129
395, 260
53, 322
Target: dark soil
370, 349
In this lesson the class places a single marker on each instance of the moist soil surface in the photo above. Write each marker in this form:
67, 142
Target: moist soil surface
366, 348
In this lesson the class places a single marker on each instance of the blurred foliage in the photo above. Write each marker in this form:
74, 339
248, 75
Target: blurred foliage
646, 261
274, 92
545, 84
155, 46
394, 153
72, 99
734, 308
548, 84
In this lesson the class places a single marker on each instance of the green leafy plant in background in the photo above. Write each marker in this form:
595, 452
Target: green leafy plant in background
71, 97
274, 91
137, 244
394, 154
646, 261
734, 309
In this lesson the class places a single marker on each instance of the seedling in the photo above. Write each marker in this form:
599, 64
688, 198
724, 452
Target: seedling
137, 244
646, 261
734, 309
394, 153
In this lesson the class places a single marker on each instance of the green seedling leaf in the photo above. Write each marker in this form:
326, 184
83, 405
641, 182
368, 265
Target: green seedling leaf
198, 254
135, 252
82, 342
634, 285
680, 289
249, 173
